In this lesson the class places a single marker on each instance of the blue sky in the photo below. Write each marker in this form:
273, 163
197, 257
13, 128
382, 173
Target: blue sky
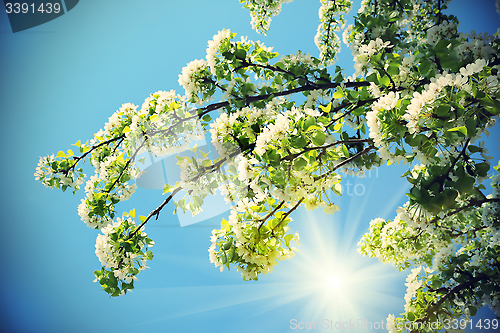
61, 81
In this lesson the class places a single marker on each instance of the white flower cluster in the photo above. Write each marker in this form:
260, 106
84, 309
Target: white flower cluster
157, 101
274, 132
213, 48
124, 265
442, 256
53, 177
299, 58
445, 30
331, 20
114, 122
373, 120
316, 96
309, 189
238, 230
391, 324
262, 11
420, 108
406, 74
477, 45
86, 209
222, 128
412, 284
363, 53
160, 126
492, 300
346, 34
192, 77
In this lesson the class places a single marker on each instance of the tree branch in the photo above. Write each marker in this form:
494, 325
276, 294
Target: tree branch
288, 213
270, 214
155, 212
79, 158
291, 157
344, 162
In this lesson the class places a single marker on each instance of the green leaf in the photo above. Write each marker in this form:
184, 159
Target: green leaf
206, 163
474, 149
227, 245
256, 208
298, 141
442, 110
319, 139
345, 151
471, 125
310, 121
461, 129
465, 185
112, 281
473, 311
338, 93
358, 111
482, 169
232, 254
314, 128
299, 163
385, 81
424, 67
125, 177
442, 46
327, 108
240, 54
372, 78
393, 69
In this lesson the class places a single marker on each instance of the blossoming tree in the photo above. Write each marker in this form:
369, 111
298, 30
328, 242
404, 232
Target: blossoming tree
422, 95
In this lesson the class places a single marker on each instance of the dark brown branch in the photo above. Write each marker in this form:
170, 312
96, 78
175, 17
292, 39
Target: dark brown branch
245, 64
344, 162
343, 105
200, 112
125, 167
269, 215
288, 213
155, 212
291, 157
451, 294
473, 203
79, 158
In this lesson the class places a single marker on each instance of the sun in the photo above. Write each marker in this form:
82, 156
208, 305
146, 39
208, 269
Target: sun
337, 282
327, 282
334, 283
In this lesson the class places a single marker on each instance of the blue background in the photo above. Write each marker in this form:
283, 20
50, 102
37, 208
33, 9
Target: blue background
62, 80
